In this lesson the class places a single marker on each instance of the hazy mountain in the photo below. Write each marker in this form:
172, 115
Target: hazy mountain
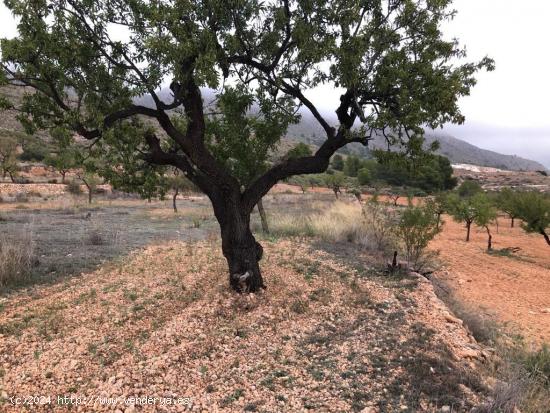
458, 151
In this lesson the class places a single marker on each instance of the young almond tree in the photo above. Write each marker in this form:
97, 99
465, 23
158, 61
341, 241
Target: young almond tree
533, 209
474, 209
89, 62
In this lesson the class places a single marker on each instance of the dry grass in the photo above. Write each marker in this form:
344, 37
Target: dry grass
340, 222
16, 257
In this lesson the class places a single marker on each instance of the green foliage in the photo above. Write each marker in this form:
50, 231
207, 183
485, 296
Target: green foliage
241, 141
533, 208
364, 176
337, 162
506, 201
476, 208
299, 151
335, 181
469, 188
416, 227
429, 172
352, 164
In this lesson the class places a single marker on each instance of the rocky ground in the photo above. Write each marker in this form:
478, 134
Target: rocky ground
329, 334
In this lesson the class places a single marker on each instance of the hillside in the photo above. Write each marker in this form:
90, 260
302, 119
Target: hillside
458, 151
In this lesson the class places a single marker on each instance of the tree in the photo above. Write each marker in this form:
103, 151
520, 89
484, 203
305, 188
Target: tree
485, 215
533, 209
438, 206
364, 176
337, 162
335, 182
178, 183
64, 157
352, 164
8, 157
475, 209
469, 188
506, 202
299, 151
90, 181
396, 71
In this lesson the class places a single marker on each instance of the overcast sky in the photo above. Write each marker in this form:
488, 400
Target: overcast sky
507, 110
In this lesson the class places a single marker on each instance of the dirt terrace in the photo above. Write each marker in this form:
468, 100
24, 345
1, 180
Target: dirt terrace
512, 287
326, 336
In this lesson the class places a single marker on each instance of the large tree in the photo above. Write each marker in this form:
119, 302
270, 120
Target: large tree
88, 62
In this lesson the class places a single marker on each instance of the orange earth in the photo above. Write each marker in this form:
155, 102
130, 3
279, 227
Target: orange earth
515, 289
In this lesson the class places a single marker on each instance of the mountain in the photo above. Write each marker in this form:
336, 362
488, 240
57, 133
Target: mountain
458, 151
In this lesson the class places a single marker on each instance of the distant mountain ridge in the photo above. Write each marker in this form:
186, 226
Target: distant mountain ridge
457, 150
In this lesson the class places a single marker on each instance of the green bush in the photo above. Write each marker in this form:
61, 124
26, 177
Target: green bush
416, 227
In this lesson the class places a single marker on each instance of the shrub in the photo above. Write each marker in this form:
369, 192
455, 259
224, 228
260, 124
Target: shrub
416, 227
16, 257
364, 176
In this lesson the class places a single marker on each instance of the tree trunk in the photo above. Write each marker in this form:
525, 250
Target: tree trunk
512, 222
11, 177
174, 204
336, 190
90, 195
468, 226
489, 239
545, 235
263, 216
239, 246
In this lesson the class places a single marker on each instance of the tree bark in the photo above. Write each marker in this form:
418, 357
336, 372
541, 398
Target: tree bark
263, 216
90, 195
545, 235
489, 239
241, 250
63, 173
512, 222
174, 203
468, 226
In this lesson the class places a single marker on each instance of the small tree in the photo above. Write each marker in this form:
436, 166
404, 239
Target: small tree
8, 157
90, 181
299, 151
178, 183
364, 176
474, 209
438, 205
335, 182
469, 188
533, 209
352, 164
64, 157
416, 227
506, 202
337, 162
485, 215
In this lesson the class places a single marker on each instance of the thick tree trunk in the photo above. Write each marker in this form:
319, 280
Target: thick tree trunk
263, 217
239, 246
174, 203
468, 226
